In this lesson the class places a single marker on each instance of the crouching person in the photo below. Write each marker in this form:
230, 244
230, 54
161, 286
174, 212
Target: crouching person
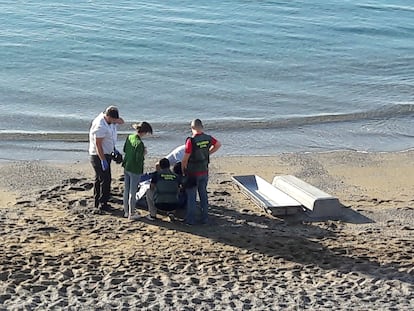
164, 191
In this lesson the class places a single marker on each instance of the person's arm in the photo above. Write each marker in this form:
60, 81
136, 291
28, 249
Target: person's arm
154, 181
215, 147
119, 121
157, 166
184, 162
100, 153
186, 157
99, 149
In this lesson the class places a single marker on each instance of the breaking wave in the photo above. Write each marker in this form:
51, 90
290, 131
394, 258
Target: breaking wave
388, 112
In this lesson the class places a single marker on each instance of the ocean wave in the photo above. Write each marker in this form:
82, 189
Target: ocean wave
386, 7
386, 112
166, 129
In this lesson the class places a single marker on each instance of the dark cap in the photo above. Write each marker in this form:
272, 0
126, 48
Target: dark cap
112, 112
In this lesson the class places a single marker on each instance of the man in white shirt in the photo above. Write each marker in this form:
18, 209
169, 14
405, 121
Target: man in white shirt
176, 155
102, 141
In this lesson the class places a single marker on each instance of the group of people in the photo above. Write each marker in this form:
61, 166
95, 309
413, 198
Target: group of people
170, 189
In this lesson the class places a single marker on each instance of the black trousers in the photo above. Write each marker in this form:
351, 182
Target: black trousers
102, 183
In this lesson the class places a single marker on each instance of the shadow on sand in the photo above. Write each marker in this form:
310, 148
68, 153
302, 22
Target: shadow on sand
297, 238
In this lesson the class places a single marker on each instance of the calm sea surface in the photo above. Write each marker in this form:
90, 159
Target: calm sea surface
266, 77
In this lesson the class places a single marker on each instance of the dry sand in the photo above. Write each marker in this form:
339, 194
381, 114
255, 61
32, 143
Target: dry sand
58, 255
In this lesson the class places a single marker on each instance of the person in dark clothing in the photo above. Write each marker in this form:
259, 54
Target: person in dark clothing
164, 192
194, 165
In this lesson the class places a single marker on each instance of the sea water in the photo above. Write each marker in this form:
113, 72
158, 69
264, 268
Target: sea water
265, 77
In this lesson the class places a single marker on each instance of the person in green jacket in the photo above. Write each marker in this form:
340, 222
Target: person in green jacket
133, 163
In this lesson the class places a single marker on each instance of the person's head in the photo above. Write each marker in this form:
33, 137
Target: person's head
111, 114
177, 168
164, 163
143, 128
196, 125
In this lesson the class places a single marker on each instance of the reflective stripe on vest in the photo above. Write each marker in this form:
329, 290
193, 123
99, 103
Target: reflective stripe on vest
200, 155
166, 188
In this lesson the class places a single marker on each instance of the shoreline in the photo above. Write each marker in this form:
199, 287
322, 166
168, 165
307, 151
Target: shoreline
322, 137
83, 157
58, 255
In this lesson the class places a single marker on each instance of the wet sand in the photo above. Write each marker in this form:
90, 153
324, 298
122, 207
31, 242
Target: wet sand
58, 255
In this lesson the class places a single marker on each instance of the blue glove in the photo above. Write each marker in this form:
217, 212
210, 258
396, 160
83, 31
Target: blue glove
104, 165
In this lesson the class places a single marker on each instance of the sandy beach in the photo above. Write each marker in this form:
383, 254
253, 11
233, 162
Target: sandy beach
56, 254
